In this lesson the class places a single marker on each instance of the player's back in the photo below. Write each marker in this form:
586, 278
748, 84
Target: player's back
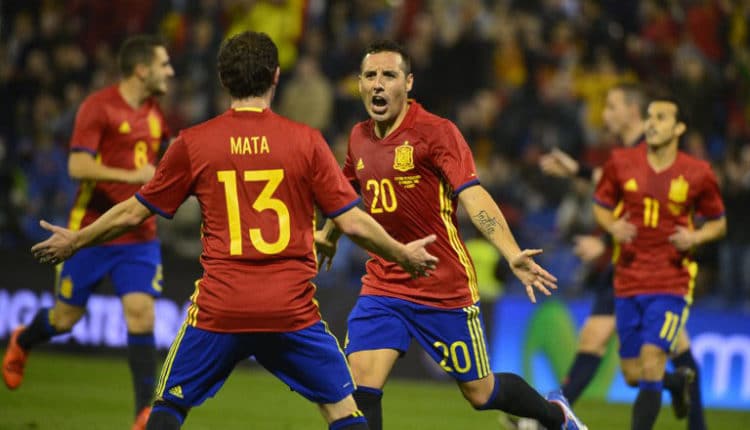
257, 177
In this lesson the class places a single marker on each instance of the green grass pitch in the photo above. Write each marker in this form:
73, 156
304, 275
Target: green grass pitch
75, 391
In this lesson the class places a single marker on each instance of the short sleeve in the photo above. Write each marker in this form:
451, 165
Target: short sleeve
333, 193
452, 156
607, 192
709, 204
89, 128
172, 182
349, 167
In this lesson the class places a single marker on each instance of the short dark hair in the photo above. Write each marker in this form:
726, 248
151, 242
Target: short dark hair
137, 50
247, 64
634, 94
678, 115
385, 45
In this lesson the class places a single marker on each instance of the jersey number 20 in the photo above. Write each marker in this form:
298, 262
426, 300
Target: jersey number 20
265, 201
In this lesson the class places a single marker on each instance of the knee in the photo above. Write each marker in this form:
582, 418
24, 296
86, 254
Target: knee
63, 320
631, 380
140, 318
478, 393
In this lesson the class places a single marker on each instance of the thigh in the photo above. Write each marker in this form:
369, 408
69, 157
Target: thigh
197, 365
138, 269
377, 323
309, 361
79, 275
663, 319
454, 338
628, 319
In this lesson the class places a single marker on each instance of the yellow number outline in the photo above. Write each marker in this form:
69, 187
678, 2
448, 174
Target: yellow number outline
379, 192
650, 212
264, 201
671, 323
140, 154
452, 354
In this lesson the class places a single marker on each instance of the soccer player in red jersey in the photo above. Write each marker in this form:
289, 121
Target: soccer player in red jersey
257, 177
646, 201
624, 117
412, 168
119, 132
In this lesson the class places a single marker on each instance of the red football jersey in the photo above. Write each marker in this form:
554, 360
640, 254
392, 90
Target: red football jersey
257, 177
656, 203
119, 136
409, 182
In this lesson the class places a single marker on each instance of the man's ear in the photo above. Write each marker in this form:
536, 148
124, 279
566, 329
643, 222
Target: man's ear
141, 71
276, 75
680, 128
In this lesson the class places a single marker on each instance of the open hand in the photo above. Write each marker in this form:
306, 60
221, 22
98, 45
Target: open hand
57, 248
417, 261
531, 274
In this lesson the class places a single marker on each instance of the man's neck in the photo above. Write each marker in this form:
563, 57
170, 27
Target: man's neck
632, 134
662, 157
132, 92
384, 129
262, 102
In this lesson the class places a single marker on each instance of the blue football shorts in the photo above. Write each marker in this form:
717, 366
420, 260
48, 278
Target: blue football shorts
454, 338
654, 319
309, 361
132, 268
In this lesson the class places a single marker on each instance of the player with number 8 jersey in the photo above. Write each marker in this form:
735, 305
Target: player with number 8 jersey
118, 136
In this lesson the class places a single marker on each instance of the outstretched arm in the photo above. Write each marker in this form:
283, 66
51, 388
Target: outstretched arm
367, 233
489, 219
63, 243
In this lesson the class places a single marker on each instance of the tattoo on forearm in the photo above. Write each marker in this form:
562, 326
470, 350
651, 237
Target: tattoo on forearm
487, 224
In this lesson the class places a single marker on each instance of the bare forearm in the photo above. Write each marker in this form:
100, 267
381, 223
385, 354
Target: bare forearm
112, 224
83, 166
711, 230
490, 221
604, 217
367, 233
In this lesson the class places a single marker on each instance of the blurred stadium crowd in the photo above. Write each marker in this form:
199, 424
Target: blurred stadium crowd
519, 77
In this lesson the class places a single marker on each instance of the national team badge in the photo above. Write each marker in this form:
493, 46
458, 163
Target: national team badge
678, 190
404, 157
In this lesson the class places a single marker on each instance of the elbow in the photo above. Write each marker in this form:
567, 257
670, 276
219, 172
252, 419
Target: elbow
722, 229
74, 171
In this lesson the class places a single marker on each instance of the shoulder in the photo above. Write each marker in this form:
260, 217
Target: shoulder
292, 126
434, 128
100, 97
694, 165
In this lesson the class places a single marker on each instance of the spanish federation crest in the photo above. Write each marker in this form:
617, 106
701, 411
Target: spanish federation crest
403, 159
678, 190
